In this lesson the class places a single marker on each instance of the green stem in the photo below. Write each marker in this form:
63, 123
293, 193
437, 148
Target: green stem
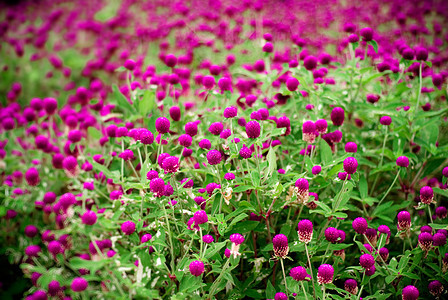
391, 186
169, 235
381, 159
303, 288
323, 292
200, 240
311, 270
218, 280
284, 276
419, 88
362, 286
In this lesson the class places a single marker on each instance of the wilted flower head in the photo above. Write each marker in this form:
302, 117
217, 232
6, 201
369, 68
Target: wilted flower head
435, 287
351, 286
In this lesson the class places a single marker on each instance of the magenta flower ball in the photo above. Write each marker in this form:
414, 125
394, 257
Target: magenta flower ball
128, 227
230, 112
236, 238
253, 129
331, 234
280, 244
305, 231
325, 274
162, 125
385, 120
79, 284
299, 273
316, 170
89, 218
410, 292
337, 116
402, 161
214, 157
350, 165
196, 268
200, 217
360, 225
366, 261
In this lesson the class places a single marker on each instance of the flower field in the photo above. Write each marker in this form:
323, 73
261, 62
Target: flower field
253, 149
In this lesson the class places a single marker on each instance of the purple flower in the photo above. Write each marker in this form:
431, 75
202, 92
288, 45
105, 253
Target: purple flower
385, 120
214, 157
268, 47
325, 274
351, 147
366, 261
280, 296
425, 241
384, 253
236, 238
32, 250
191, 128
32, 177
402, 161
230, 112
360, 225
309, 129
253, 129
205, 144
128, 227
245, 152
175, 113
435, 287
367, 34
331, 234
200, 217
157, 186
170, 164
310, 62
337, 116
79, 284
299, 274
426, 195
208, 239
292, 83
162, 125
404, 220
225, 84
305, 231
89, 218
185, 140
410, 292
316, 170
350, 165
439, 239
229, 176
280, 243
441, 212
351, 286
216, 128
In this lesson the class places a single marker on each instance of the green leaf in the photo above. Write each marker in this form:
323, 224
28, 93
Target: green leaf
91, 265
215, 249
255, 176
270, 290
94, 133
272, 162
147, 103
374, 45
363, 187
325, 152
120, 100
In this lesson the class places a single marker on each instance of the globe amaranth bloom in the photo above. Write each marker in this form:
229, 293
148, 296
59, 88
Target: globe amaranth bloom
435, 287
230, 112
236, 239
280, 296
385, 120
280, 243
216, 128
410, 292
309, 132
305, 231
208, 239
79, 284
331, 234
162, 125
425, 241
325, 274
351, 286
402, 161
253, 129
200, 217
170, 164
128, 227
302, 190
366, 261
316, 170
214, 157
299, 273
196, 268
360, 225
89, 218
426, 195
351, 147
337, 116
245, 152
350, 165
